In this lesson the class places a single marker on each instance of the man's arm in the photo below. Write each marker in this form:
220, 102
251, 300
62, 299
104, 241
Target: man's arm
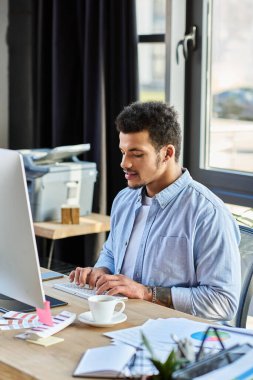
217, 266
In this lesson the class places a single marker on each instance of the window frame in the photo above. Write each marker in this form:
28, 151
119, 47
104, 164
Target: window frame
175, 68
232, 187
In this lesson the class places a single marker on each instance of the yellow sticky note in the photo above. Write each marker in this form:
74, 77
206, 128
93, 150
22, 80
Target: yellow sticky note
46, 341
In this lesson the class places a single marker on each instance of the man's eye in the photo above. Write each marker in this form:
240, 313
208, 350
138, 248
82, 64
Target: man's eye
138, 155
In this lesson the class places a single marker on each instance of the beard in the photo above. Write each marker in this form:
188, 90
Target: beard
136, 187
142, 184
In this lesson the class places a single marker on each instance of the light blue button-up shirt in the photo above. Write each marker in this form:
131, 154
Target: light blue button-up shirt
190, 243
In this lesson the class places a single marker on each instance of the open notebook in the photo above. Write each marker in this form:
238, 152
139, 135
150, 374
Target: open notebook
105, 362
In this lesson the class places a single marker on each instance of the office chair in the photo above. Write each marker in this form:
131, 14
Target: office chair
246, 251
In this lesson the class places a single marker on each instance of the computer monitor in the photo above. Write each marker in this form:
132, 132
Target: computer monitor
20, 277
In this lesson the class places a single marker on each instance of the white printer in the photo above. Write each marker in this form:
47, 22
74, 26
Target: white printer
56, 177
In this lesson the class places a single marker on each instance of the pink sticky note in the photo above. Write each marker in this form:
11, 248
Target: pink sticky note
45, 314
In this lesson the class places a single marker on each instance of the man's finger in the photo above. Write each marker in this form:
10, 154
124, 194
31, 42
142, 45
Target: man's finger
106, 277
81, 275
93, 278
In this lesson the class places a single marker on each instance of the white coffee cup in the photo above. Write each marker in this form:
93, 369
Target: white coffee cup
102, 307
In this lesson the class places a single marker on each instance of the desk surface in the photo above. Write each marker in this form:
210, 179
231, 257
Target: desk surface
89, 224
21, 360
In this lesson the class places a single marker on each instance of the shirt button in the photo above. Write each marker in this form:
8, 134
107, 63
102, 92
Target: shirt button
126, 243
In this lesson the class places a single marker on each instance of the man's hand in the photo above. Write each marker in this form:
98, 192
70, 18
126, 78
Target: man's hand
88, 275
120, 284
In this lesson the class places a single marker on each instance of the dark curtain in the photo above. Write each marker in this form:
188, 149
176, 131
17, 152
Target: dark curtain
84, 71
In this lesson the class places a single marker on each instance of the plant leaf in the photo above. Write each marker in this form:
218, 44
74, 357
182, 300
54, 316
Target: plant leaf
147, 345
163, 375
168, 367
171, 363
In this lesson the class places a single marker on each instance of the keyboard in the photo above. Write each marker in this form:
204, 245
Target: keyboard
83, 292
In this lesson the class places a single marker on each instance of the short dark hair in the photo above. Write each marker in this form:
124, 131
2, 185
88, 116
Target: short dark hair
158, 118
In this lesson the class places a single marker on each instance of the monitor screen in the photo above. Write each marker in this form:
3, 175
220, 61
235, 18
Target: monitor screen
20, 276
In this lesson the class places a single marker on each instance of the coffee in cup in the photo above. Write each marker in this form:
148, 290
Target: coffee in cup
102, 307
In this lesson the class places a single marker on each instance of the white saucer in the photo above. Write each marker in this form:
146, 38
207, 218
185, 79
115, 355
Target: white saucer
88, 319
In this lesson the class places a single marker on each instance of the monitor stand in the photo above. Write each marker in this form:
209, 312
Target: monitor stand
10, 304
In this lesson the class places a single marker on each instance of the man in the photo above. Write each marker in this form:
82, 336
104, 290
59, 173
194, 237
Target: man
172, 241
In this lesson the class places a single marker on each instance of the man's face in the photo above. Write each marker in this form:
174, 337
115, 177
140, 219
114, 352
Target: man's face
141, 163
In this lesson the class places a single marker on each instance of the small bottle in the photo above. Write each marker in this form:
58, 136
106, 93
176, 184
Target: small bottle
70, 212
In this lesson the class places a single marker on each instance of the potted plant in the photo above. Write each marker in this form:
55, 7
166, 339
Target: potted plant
165, 369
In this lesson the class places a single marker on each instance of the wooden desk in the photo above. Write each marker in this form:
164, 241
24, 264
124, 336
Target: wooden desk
89, 224
20, 360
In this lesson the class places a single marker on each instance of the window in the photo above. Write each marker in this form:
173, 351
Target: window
231, 86
151, 48
219, 99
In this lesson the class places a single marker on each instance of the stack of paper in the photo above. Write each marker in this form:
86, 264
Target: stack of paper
160, 334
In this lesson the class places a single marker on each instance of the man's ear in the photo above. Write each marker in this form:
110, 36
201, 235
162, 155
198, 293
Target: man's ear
169, 152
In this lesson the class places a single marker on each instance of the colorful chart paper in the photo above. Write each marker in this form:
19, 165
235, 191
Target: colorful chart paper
211, 336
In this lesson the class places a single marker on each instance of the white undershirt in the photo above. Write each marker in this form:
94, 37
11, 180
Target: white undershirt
135, 238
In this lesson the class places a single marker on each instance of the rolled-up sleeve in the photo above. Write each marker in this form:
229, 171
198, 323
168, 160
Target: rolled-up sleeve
217, 268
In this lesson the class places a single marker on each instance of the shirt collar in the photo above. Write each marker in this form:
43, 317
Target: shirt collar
165, 196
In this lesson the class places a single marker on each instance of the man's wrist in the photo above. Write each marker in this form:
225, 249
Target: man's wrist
159, 295
148, 293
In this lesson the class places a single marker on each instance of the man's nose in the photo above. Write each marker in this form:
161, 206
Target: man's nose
125, 162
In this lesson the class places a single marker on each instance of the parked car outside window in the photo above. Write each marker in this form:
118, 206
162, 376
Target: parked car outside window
234, 104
